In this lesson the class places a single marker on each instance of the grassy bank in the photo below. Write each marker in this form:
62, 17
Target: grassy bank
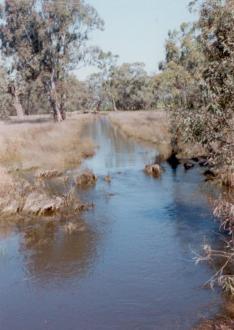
33, 151
149, 126
40, 143
154, 127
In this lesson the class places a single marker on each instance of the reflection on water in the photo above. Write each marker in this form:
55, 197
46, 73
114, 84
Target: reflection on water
117, 152
53, 254
129, 263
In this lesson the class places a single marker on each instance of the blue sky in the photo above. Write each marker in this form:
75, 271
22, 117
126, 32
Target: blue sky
136, 29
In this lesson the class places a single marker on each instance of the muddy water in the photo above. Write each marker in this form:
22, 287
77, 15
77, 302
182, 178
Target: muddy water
131, 264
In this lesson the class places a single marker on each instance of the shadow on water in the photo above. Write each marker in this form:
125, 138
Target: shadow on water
131, 268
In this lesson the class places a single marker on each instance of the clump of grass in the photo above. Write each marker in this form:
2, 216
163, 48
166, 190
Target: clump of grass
48, 174
224, 210
224, 277
227, 177
86, 178
7, 184
218, 323
12, 193
153, 170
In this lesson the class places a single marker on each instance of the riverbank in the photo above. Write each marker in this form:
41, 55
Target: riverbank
148, 126
38, 142
155, 127
35, 150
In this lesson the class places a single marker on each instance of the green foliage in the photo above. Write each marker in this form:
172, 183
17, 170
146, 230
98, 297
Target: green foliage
124, 87
45, 39
5, 99
132, 87
78, 95
197, 78
99, 83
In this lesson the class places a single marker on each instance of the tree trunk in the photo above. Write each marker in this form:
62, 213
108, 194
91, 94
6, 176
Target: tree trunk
27, 111
109, 93
18, 106
62, 106
12, 90
54, 101
56, 110
99, 106
114, 104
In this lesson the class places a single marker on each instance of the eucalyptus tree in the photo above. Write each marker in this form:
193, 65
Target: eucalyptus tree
45, 39
66, 28
16, 29
79, 96
216, 23
124, 87
100, 82
196, 79
181, 70
131, 86
99, 97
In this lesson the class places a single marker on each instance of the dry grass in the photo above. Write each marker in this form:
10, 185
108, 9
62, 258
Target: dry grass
12, 192
46, 149
86, 179
6, 182
224, 258
227, 177
153, 127
19, 197
219, 323
44, 145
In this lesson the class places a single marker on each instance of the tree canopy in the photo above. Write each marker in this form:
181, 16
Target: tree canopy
44, 39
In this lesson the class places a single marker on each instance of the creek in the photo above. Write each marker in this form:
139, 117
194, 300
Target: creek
132, 267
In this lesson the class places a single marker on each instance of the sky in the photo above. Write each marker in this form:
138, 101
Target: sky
136, 29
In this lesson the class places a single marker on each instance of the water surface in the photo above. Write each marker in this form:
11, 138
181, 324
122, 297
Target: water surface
131, 268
